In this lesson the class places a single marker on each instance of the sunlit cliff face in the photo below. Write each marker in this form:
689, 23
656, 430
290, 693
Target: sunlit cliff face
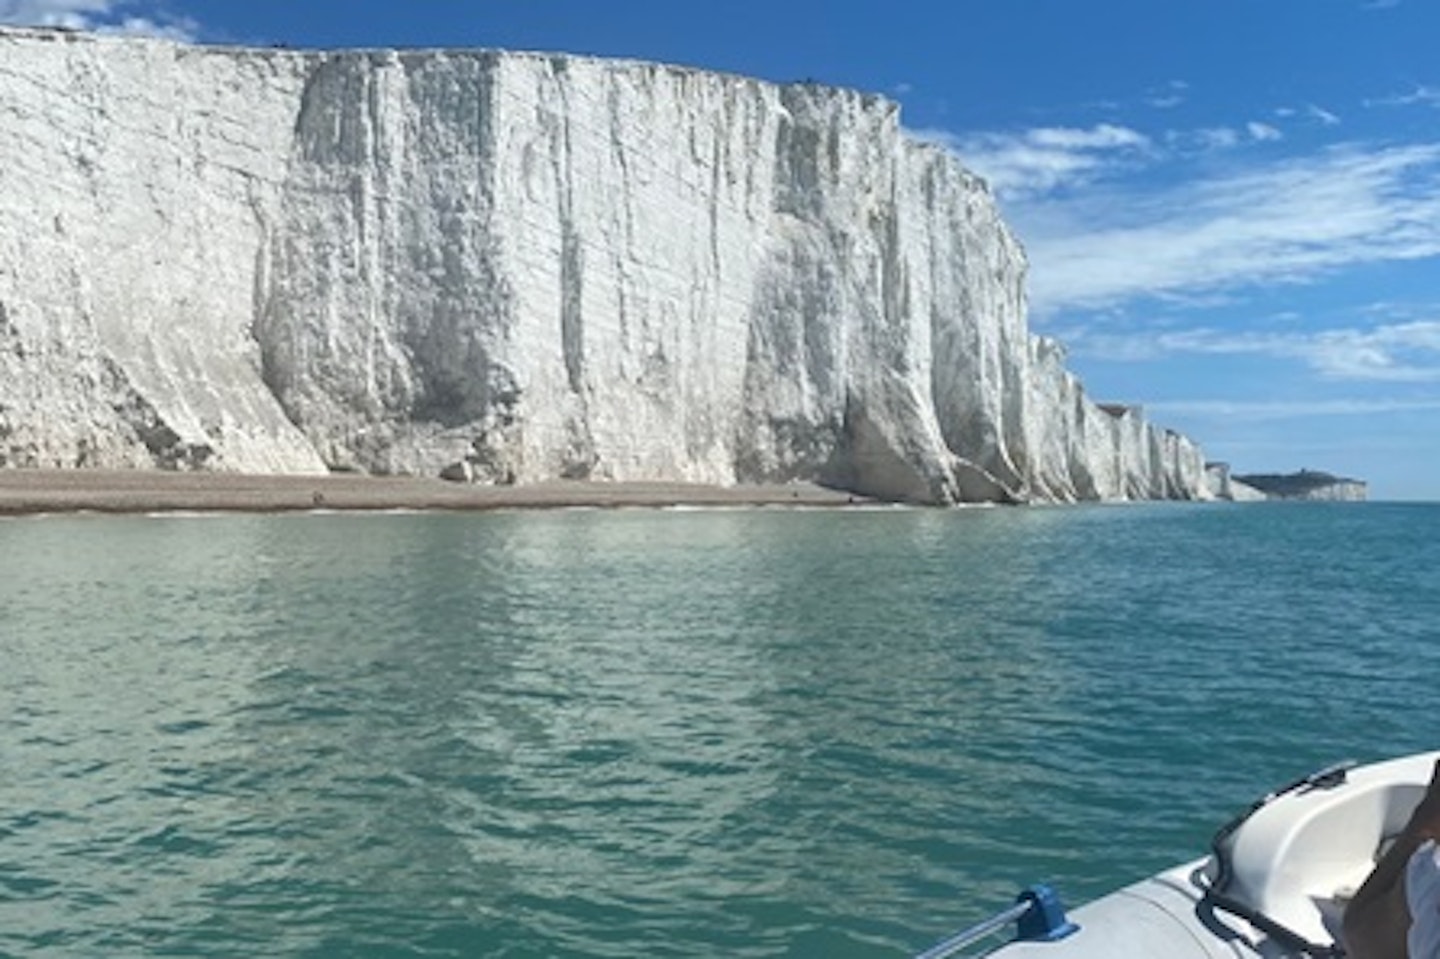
515, 268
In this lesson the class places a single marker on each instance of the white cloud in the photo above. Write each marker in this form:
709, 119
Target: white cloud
183, 29
1293, 221
102, 16
1102, 137
1321, 114
1396, 353
1097, 241
1263, 132
1281, 410
1169, 96
1421, 96
71, 14
1209, 138
1044, 159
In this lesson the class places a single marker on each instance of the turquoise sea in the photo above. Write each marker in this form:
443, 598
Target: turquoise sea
635, 733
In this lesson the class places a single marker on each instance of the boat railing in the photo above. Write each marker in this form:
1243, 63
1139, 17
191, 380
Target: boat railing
1037, 913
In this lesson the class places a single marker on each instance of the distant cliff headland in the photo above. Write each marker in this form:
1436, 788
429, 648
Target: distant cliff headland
1306, 485
515, 269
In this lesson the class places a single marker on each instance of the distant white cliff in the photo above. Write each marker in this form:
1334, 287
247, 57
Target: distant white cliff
513, 268
1224, 485
1306, 485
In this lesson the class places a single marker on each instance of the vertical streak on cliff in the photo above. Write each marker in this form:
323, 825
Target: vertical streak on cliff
969, 311
578, 458
572, 253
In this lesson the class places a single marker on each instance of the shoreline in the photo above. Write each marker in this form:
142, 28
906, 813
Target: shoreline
32, 492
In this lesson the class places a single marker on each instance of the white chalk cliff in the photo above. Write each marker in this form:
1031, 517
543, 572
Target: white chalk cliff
514, 268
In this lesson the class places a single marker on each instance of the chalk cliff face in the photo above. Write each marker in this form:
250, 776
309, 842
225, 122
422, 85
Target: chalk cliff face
1224, 485
516, 268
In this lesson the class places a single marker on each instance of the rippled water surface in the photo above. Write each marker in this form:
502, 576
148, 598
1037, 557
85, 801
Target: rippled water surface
749, 733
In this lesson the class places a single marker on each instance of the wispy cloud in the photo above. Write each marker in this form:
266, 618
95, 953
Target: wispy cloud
1263, 132
1043, 159
1284, 410
1024, 164
102, 16
1394, 353
71, 14
1321, 114
1291, 221
1108, 219
1209, 138
1169, 96
1420, 96
1212, 139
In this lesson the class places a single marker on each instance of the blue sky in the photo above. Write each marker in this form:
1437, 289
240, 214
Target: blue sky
1232, 207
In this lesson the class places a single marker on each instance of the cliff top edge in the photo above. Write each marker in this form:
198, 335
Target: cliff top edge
282, 50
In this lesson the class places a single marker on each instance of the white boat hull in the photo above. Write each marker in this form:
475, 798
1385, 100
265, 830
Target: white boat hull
1295, 862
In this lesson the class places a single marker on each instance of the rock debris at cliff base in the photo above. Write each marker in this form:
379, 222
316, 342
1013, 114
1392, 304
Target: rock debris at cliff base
517, 268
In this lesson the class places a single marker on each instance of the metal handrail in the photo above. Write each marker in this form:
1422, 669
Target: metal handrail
1038, 914
943, 950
